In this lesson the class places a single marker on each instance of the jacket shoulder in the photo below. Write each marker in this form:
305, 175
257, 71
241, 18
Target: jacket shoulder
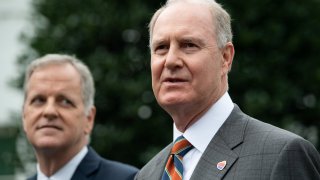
95, 167
154, 168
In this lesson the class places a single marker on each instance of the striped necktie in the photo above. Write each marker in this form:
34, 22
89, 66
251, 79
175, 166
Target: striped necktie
174, 167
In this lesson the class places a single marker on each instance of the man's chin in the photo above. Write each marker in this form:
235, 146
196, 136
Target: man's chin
173, 100
172, 104
47, 144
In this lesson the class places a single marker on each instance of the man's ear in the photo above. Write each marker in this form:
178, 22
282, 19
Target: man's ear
227, 54
90, 120
23, 119
23, 124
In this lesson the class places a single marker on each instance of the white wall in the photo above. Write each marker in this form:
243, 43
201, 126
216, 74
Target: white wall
13, 18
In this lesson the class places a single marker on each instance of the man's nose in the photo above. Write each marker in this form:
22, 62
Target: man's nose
50, 110
173, 58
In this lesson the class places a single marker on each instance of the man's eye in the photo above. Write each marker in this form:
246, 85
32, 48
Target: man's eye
161, 49
189, 45
66, 102
38, 101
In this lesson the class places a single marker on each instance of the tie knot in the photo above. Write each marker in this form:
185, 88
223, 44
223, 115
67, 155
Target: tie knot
181, 146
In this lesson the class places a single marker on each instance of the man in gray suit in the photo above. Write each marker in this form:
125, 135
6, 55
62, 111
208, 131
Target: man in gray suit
191, 55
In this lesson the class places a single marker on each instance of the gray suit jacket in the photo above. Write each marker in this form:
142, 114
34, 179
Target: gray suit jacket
252, 149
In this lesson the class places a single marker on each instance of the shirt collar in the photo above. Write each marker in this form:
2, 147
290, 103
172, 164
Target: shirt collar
201, 132
67, 170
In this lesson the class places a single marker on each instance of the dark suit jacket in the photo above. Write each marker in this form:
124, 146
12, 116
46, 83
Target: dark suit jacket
94, 167
253, 150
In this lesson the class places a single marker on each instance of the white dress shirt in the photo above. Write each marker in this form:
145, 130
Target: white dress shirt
201, 132
66, 172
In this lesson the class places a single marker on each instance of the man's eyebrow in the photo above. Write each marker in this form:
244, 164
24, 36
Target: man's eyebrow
64, 95
198, 41
158, 41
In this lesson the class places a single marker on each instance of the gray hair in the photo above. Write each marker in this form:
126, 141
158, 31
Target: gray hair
87, 83
221, 19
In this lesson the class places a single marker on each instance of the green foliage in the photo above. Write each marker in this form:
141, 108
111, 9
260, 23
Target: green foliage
275, 73
8, 156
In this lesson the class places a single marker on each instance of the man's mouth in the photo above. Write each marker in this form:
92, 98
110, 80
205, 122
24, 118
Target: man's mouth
49, 127
174, 80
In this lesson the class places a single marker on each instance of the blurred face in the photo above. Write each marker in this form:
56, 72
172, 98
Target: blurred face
189, 71
54, 114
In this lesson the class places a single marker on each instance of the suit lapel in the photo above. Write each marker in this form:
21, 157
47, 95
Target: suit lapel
87, 166
157, 168
221, 147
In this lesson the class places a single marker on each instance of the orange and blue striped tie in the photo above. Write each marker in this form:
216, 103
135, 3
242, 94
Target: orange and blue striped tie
174, 167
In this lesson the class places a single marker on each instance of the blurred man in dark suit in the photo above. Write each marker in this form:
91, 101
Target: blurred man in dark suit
58, 117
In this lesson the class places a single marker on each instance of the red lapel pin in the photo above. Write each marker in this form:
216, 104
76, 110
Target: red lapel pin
221, 165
